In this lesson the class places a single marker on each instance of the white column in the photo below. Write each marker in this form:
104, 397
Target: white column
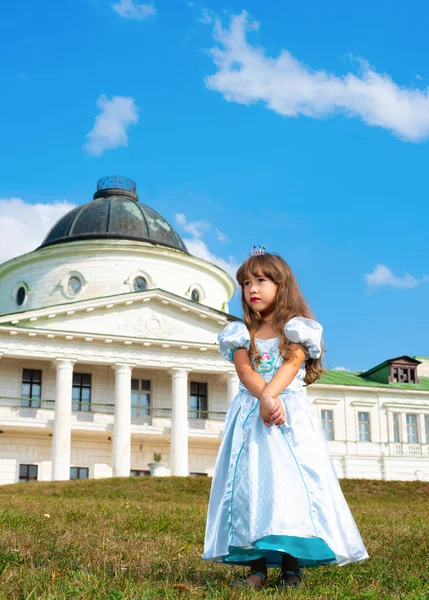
421, 428
121, 459
179, 422
404, 430
233, 383
390, 427
61, 438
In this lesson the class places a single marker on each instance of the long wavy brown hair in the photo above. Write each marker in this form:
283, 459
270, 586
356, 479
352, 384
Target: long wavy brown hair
289, 303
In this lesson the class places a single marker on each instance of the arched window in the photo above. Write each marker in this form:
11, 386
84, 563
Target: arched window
139, 283
74, 285
196, 292
21, 294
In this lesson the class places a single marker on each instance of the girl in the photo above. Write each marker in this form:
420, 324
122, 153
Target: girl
275, 499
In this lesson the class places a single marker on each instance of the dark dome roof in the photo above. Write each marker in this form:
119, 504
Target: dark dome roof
114, 213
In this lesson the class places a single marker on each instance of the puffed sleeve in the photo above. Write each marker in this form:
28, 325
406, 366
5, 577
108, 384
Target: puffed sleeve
306, 332
234, 336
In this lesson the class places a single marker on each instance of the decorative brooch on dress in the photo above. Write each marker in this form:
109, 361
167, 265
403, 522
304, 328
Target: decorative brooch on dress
256, 251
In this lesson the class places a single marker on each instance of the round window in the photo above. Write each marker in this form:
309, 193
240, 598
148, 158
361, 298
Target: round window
195, 295
139, 284
21, 294
74, 285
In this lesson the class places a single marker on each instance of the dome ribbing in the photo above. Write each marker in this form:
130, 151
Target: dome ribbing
114, 213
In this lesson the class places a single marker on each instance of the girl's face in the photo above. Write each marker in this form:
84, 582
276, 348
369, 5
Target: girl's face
260, 293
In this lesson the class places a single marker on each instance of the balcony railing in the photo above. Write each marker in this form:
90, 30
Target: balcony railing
198, 420
27, 403
105, 408
411, 449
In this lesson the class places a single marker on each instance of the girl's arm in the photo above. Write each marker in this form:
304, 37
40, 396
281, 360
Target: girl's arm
285, 374
247, 374
271, 411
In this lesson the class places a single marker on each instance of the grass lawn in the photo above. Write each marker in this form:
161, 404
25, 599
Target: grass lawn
139, 538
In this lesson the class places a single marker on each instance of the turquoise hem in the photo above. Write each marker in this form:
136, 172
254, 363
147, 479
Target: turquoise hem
309, 552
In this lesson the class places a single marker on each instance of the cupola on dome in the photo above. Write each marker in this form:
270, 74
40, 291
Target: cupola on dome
114, 213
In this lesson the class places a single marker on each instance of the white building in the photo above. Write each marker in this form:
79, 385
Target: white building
108, 356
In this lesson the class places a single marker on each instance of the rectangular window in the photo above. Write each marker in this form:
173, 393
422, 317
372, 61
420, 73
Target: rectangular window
81, 391
364, 427
198, 406
427, 428
31, 388
412, 429
395, 374
198, 475
28, 472
79, 472
412, 376
396, 428
140, 397
139, 473
403, 375
328, 423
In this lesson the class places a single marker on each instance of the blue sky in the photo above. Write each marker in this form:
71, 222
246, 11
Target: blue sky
301, 126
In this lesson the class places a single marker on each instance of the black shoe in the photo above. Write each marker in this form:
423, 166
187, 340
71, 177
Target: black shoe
289, 579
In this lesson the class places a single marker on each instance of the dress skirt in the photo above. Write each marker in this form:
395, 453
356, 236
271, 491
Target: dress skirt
275, 491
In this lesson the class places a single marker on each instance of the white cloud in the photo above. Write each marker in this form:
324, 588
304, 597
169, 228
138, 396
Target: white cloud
133, 10
221, 236
195, 228
24, 225
110, 128
246, 75
206, 17
197, 247
340, 369
383, 276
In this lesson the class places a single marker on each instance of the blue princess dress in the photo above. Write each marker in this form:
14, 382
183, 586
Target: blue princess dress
274, 488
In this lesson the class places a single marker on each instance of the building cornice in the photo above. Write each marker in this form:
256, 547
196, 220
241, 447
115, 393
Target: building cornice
405, 405
150, 354
327, 401
22, 319
364, 403
117, 340
373, 389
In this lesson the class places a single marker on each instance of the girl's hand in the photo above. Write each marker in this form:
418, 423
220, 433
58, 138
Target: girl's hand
271, 410
278, 415
266, 406
265, 411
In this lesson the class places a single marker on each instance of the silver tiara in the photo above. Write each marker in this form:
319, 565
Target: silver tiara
256, 251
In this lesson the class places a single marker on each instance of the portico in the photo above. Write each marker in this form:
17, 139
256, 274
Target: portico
113, 416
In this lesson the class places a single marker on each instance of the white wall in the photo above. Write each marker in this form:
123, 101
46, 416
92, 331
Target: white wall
26, 432
109, 268
93, 454
423, 368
